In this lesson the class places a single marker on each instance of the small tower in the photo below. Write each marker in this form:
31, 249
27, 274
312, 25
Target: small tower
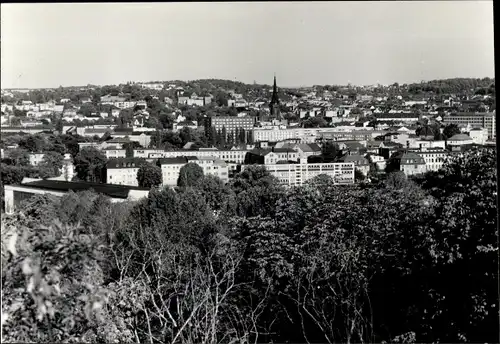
274, 106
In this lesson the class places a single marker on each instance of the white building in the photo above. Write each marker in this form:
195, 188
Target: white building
123, 171
298, 174
479, 135
412, 164
434, 158
114, 152
36, 158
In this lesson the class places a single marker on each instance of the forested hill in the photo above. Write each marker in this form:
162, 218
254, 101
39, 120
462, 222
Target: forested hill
456, 85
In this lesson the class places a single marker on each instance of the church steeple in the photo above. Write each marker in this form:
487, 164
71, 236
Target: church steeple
274, 106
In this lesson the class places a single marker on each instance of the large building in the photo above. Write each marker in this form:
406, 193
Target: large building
15, 194
171, 167
233, 155
230, 123
271, 156
298, 174
477, 120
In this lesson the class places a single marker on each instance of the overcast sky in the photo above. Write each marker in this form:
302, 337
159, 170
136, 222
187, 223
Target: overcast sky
47, 45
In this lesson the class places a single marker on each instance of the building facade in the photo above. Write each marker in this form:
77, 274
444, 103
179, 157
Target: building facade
483, 120
230, 123
298, 174
123, 171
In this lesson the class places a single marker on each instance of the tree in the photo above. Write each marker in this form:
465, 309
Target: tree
89, 165
242, 136
18, 157
129, 148
450, 130
51, 165
32, 143
223, 139
358, 175
190, 175
329, 151
149, 176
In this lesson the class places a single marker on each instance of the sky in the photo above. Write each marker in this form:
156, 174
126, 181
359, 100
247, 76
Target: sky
304, 43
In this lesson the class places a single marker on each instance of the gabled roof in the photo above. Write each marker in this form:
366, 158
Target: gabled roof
411, 158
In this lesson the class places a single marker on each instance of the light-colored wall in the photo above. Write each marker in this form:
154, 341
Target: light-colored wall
122, 176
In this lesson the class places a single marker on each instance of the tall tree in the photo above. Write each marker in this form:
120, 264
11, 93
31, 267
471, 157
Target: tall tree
89, 165
450, 130
223, 139
51, 165
190, 175
149, 176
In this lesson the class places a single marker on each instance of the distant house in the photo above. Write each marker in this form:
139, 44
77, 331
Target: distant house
412, 164
184, 124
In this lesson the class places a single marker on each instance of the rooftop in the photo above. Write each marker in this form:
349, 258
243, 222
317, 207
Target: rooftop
114, 191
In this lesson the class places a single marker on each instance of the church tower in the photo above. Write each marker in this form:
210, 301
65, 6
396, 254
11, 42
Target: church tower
274, 106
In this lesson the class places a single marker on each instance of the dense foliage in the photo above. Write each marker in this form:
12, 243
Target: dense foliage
400, 261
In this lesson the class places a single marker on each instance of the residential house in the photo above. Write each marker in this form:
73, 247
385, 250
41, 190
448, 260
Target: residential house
412, 163
376, 160
185, 124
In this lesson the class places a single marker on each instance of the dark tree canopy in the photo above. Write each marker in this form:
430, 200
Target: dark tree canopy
149, 176
190, 175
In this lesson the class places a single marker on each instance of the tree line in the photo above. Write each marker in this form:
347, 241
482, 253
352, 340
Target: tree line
250, 261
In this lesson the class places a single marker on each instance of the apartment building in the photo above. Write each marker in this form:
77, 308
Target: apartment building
298, 174
123, 171
482, 120
230, 123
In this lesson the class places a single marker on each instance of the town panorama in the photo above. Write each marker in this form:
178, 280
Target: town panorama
214, 211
